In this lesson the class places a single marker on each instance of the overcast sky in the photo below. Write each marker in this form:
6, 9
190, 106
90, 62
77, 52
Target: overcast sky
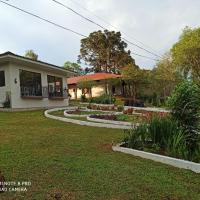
156, 23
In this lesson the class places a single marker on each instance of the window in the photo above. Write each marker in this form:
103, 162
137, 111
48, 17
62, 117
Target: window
2, 78
55, 86
30, 83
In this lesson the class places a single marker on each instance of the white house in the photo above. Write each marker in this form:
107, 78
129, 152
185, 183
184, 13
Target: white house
98, 87
26, 83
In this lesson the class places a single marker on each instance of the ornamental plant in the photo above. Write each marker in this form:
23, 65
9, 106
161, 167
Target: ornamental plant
185, 106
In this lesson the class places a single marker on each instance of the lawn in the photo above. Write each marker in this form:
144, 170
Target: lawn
78, 163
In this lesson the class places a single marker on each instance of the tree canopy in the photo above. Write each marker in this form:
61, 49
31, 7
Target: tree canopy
31, 54
186, 53
105, 52
74, 67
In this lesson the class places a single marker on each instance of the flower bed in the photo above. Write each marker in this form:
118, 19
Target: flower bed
104, 107
118, 117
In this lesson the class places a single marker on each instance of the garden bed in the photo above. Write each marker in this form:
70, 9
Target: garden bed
128, 119
48, 114
109, 121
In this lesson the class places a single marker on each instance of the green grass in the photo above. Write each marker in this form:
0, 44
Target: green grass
77, 161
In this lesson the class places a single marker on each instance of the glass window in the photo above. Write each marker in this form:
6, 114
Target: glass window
30, 83
2, 78
55, 86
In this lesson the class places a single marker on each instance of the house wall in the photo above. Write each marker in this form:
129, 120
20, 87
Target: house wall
18, 102
96, 91
6, 88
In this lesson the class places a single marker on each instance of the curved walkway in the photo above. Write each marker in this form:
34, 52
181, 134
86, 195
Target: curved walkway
84, 123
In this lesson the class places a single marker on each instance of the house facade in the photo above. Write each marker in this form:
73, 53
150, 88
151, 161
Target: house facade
26, 83
101, 83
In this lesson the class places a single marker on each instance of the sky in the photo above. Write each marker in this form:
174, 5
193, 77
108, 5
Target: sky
152, 24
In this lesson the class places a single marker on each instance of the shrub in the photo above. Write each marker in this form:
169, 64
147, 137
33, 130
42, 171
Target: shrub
106, 117
103, 99
6, 103
136, 138
131, 102
160, 129
185, 105
165, 136
83, 98
122, 118
120, 108
176, 145
129, 111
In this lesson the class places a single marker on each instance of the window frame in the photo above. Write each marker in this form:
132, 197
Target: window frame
35, 85
3, 83
55, 90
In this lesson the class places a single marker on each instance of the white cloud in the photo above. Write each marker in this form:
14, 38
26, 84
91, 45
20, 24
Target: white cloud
156, 23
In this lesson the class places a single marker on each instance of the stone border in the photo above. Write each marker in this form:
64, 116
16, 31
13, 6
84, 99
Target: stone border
151, 109
111, 121
96, 104
73, 115
184, 164
84, 123
89, 110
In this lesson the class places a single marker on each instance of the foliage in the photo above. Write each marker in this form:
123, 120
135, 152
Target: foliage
186, 53
120, 108
185, 105
160, 129
121, 117
165, 136
31, 54
105, 51
7, 103
83, 98
74, 67
135, 103
136, 138
85, 83
134, 77
165, 76
103, 99
177, 145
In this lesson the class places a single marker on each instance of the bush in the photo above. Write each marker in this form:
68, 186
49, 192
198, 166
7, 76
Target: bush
131, 102
185, 105
6, 103
83, 98
103, 99
120, 108
162, 135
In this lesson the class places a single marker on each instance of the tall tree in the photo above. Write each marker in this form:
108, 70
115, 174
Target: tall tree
134, 77
105, 51
74, 67
186, 53
31, 54
165, 76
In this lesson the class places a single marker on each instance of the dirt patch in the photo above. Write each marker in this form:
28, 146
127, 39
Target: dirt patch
2, 179
60, 195
171, 197
106, 148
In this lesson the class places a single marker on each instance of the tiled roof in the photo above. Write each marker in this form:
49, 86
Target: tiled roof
93, 77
